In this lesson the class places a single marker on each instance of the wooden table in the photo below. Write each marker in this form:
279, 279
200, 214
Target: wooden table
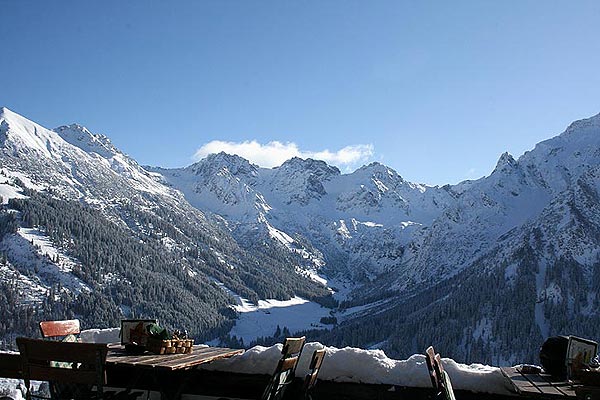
165, 373
170, 362
539, 385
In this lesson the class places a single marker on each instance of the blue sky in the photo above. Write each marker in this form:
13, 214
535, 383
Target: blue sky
435, 90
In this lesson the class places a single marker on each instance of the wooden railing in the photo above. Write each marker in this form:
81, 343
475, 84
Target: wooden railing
236, 385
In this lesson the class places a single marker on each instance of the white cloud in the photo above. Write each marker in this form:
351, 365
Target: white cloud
275, 153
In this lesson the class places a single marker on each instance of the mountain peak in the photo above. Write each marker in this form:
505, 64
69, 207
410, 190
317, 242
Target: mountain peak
81, 137
217, 161
506, 159
585, 124
6, 113
318, 167
73, 127
25, 135
226, 158
377, 168
506, 163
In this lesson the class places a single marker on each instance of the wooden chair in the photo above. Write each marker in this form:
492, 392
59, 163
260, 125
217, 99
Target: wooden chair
286, 368
439, 378
87, 361
64, 330
311, 379
58, 329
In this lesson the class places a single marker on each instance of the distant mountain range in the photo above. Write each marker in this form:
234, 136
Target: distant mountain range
484, 269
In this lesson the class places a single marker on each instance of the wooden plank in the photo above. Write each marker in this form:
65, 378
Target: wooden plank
180, 361
520, 384
59, 328
177, 361
288, 363
564, 387
10, 366
145, 359
547, 388
190, 360
430, 360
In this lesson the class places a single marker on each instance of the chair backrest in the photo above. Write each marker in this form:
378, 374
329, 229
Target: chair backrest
433, 367
293, 346
439, 378
286, 368
44, 360
315, 365
52, 329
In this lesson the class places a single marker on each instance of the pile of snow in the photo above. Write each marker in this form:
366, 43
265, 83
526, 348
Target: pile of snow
110, 335
368, 366
12, 388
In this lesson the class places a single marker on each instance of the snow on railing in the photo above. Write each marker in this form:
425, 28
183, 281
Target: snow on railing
349, 365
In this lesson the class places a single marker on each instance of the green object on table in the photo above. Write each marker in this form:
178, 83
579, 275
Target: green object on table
158, 332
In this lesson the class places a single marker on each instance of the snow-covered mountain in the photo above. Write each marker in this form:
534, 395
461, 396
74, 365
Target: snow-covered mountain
88, 225
514, 195
72, 159
359, 222
484, 268
514, 260
529, 229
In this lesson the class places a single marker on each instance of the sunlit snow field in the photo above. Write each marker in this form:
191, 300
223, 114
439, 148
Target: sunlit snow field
262, 320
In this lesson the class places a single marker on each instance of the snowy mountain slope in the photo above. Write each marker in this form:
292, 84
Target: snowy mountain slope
515, 193
515, 260
222, 185
29, 148
83, 177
